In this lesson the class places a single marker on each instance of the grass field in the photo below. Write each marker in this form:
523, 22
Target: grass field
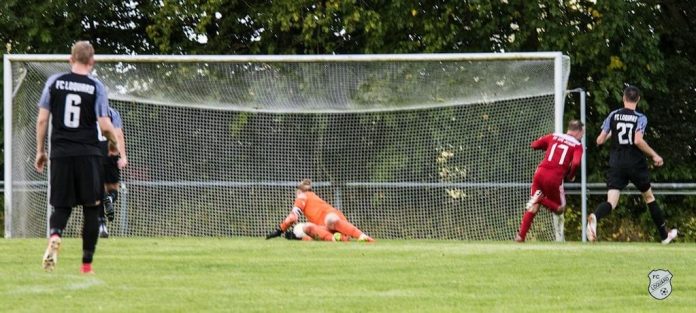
253, 275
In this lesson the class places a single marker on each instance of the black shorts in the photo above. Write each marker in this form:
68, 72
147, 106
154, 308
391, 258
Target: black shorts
76, 181
618, 176
112, 174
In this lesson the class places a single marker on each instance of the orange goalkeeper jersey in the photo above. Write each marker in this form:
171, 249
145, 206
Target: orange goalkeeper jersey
315, 208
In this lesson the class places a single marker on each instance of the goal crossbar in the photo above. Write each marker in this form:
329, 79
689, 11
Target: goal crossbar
425, 57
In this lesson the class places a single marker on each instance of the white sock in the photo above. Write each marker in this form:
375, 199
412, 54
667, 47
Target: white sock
558, 227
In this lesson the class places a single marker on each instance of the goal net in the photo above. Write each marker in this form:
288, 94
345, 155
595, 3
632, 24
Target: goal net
407, 146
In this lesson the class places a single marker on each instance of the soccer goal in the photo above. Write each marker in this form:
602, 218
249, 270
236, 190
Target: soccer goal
407, 146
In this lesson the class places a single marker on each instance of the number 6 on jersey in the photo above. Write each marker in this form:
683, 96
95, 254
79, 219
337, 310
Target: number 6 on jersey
72, 110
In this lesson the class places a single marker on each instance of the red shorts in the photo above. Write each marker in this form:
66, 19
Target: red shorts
551, 187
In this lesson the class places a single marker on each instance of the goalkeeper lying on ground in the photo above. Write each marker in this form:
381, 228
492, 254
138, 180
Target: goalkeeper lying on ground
318, 213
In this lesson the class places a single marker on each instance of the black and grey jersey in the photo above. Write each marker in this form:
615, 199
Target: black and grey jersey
115, 118
75, 102
624, 124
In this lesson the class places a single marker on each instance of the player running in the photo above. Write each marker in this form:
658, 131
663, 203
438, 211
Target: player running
77, 102
562, 158
113, 161
627, 163
318, 212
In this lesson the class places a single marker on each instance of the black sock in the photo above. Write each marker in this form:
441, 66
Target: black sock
59, 219
87, 256
113, 194
658, 218
90, 231
102, 215
603, 209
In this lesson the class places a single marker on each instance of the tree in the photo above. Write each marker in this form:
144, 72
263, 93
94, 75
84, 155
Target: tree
611, 43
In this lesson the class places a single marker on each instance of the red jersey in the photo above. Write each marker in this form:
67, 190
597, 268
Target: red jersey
563, 154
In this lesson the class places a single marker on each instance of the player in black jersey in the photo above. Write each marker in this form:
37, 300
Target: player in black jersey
77, 102
627, 162
113, 161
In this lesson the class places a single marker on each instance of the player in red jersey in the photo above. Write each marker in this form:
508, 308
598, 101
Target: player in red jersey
562, 159
318, 212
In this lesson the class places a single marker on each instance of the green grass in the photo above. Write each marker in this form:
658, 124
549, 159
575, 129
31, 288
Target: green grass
253, 275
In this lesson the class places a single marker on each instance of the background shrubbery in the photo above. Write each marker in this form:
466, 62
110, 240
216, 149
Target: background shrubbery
611, 43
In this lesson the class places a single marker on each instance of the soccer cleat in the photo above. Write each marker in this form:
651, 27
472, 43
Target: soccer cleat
86, 269
534, 199
50, 258
365, 238
103, 231
592, 228
518, 238
670, 236
109, 208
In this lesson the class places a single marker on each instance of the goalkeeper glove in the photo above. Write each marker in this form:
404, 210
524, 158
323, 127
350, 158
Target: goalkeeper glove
275, 233
290, 235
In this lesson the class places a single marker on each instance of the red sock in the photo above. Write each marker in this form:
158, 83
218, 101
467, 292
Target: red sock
346, 228
527, 220
552, 206
318, 232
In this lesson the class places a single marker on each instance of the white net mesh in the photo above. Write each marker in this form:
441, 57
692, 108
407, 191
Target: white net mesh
435, 149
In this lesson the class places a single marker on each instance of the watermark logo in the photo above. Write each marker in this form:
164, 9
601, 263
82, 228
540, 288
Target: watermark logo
660, 286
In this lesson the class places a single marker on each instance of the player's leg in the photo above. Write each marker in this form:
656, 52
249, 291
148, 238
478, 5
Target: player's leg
90, 235
603, 209
532, 208
62, 199
339, 223
534, 199
112, 176
526, 223
617, 179
57, 222
554, 201
318, 232
641, 179
103, 229
658, 218
90, 185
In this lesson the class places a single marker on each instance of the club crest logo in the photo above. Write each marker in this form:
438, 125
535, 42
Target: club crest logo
660, 286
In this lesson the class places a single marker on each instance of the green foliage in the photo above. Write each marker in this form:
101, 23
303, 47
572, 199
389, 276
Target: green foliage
611, 43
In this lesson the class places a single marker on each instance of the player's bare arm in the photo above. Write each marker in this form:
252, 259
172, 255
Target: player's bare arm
288, 222
603, 137
645, 147
41, 129
123, 161
109, 131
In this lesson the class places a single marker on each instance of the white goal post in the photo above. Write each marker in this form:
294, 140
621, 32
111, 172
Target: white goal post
407, 145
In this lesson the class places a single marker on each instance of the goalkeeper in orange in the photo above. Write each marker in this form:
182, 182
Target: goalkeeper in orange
324, 220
